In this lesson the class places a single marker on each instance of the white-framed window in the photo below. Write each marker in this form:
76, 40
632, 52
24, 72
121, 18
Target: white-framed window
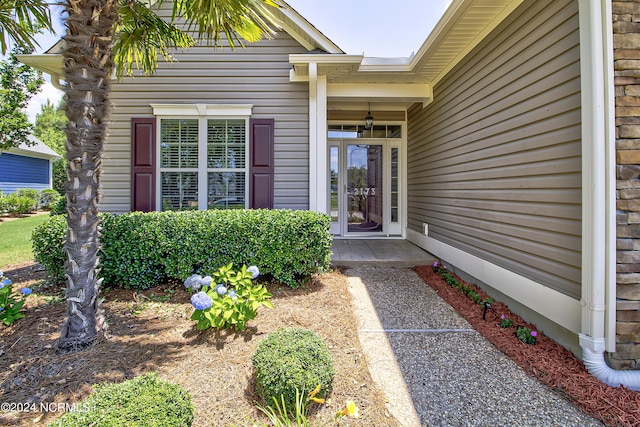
203, 156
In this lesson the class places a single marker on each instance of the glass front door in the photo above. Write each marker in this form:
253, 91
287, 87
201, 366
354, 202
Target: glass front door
365, 184
364, 188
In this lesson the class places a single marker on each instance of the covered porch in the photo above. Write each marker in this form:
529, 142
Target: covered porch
398, 253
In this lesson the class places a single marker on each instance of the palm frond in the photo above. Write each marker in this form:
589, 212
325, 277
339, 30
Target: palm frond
21, 20
237, 20
141, 36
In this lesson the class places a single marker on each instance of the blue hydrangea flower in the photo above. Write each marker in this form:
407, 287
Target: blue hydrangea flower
254, 271
232, 294
26, 291
201, 301
206, 281
221, 289
1, 273
5, 282
191, 280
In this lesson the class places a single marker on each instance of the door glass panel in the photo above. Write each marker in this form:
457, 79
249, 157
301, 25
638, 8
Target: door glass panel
364, 188
334, 167
394, 184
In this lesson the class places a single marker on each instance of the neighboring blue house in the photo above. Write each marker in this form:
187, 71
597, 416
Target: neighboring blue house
27, 166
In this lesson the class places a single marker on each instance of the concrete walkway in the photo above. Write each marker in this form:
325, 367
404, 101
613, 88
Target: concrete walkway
434, 369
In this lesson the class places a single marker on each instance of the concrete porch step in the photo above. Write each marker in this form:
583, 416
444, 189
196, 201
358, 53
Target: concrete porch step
397, 253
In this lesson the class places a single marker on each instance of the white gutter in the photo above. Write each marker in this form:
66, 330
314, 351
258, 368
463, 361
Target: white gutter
50, 63
598, 194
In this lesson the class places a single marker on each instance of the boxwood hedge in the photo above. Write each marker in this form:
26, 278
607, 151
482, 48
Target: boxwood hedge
140, 250
291, 361
144, 401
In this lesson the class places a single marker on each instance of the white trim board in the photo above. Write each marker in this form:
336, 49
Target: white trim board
557, 307
216, 110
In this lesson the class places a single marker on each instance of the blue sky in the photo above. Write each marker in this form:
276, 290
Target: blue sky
377, 28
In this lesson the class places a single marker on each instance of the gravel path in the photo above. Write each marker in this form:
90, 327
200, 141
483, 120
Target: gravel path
435, 369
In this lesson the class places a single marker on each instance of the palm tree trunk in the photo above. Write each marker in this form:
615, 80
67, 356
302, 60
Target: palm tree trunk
88, 65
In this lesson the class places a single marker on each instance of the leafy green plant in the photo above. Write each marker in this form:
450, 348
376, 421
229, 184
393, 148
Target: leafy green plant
291, 359
453, 281
11, 302
140, 402
278, 416
475, 297
505, 322
228, 299
526, 335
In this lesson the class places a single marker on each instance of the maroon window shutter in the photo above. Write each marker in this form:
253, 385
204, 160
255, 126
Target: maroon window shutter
261, 167
143, 169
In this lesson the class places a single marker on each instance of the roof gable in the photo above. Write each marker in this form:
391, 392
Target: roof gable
37, 149
291, 22
304, 32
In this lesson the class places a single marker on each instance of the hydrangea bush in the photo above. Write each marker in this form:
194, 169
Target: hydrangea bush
227, 299
11, 302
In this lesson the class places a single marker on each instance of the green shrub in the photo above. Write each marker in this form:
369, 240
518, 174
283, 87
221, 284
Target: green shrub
140, 250
59, 207
47, 241
292, 359
15, 204
133, 246
48, 197
143, 401
28, 192
59, 175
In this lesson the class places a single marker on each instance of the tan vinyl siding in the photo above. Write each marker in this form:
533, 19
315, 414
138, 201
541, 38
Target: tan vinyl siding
495, 161
257, 75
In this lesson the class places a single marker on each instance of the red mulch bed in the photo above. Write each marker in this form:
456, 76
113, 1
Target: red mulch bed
547, 360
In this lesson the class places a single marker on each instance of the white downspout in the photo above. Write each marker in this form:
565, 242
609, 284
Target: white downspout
598, 194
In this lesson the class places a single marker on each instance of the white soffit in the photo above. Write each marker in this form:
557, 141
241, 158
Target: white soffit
51, 64
464, 25
380, 92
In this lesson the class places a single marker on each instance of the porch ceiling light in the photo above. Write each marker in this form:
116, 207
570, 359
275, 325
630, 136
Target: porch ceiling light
368, 121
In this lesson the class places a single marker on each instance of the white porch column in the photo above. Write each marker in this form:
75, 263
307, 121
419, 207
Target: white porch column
317, 140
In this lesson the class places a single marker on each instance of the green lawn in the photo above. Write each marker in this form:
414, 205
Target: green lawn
15, 240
